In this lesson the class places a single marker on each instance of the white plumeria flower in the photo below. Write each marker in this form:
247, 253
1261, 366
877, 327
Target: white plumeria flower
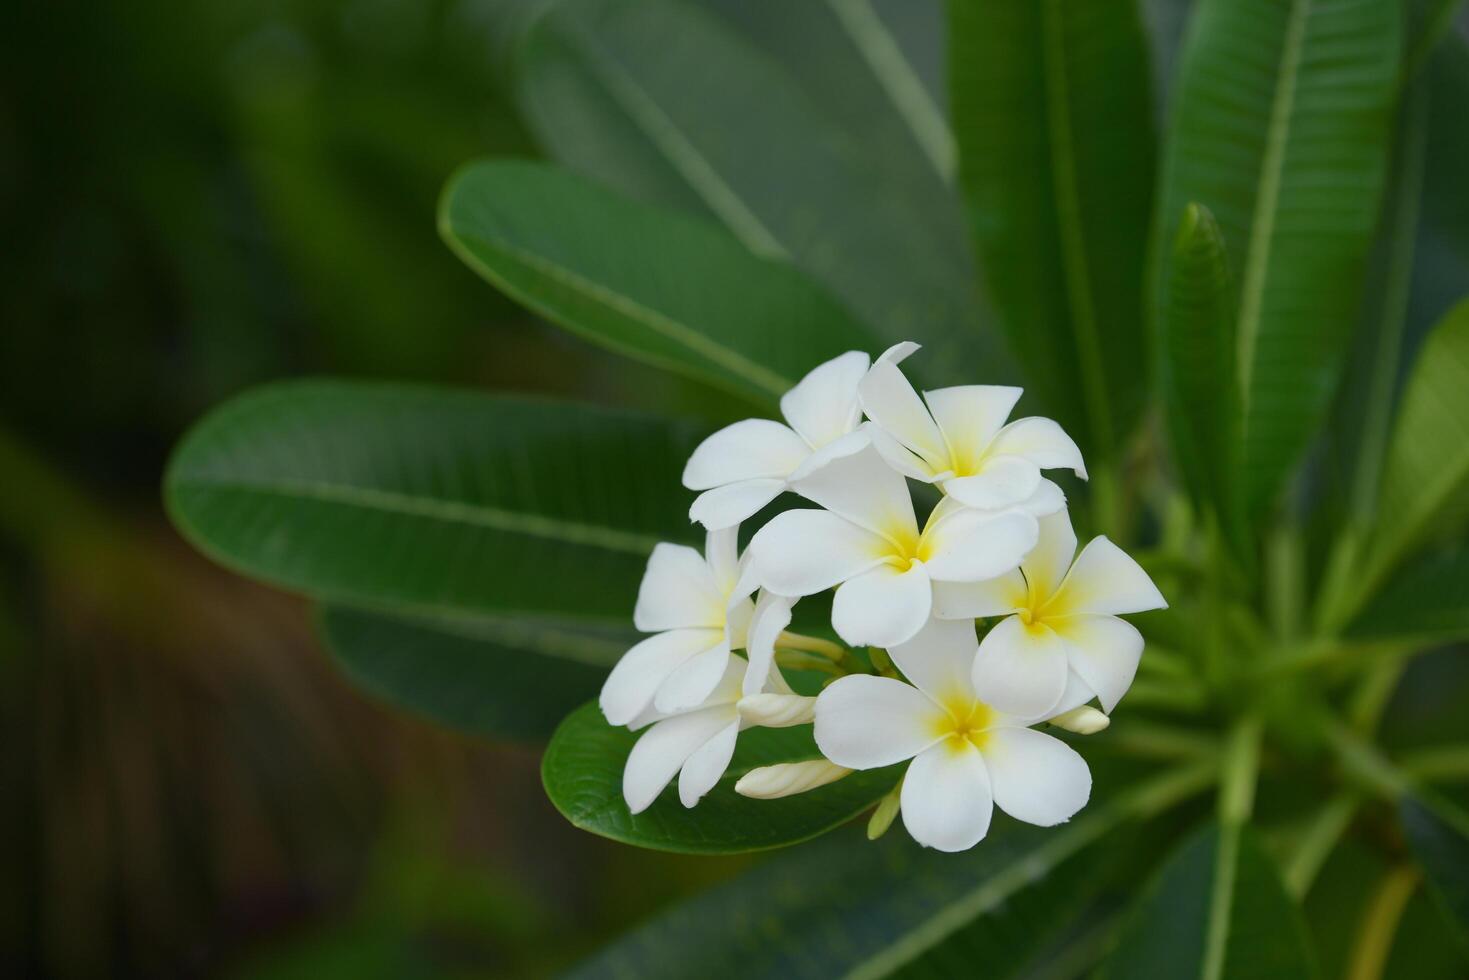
959, 439
745, 466
967, 756
694, 745
867, 544
1062, 622
694, 606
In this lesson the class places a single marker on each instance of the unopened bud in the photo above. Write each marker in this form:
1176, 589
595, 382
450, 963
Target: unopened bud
777, 710
886, 812
788, 779
1085, 720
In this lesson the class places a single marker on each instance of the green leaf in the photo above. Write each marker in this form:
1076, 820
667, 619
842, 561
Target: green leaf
500, 679
669, 104
1425, 482
432, 501
1280, 125
1200, 386
1426, 601
1051, 107
1438, 832
659, 286
844, 906
1217, 910
582, 771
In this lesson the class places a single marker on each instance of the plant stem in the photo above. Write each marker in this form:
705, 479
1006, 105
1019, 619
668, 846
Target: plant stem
811, 644
1239, 765
1380, 923
797, 660
1137, 737
1439, 762
1318, 841
1365, 763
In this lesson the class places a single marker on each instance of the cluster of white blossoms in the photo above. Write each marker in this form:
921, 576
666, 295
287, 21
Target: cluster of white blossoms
996, 555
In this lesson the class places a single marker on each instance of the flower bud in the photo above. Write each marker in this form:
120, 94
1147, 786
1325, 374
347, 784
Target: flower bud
788, 779
777, 710
1085, 720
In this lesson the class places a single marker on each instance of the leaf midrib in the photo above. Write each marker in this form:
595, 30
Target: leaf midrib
895, 76
1031, 866
1267, 200
681, 153
450, 511
1066, 182
675, 330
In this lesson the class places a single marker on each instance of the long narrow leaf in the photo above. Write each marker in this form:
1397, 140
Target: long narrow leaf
1217, 911
659, 286
1051, 107
493, 678
842, 907
1279, 127
1425, 483
1199, 389
432, 501
669, 104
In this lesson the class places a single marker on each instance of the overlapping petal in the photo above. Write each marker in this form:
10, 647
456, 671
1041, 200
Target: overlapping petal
630, 688
972, 546
939, 659
1104, 579
663, 750
1042, 441
802, 552
882, 606
1104, 652
745, 450
1035, 777
1021, 668
678, 591
946, 799
865, 722
824, 406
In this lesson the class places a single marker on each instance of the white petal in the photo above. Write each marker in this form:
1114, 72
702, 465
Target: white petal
882, 607
722, 552
1003, 481
1046, 565
802, 552
702, 770
1078, 692
1021, 670
728, 505
772, 616
939, 659
678, 592
1104, 651
693, 681
746, 450
842, 447
1036, 778
865, 490
890, 401
866, 722
664, 749
1047, 499
630, 688
972, 545
1104, 579
823, 406
902, 459
1041, 441
969, 417
999, 596
946, 797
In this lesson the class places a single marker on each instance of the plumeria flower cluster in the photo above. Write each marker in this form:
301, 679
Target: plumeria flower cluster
982, 622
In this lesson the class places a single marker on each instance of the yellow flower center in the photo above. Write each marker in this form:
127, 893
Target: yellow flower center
962, 722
